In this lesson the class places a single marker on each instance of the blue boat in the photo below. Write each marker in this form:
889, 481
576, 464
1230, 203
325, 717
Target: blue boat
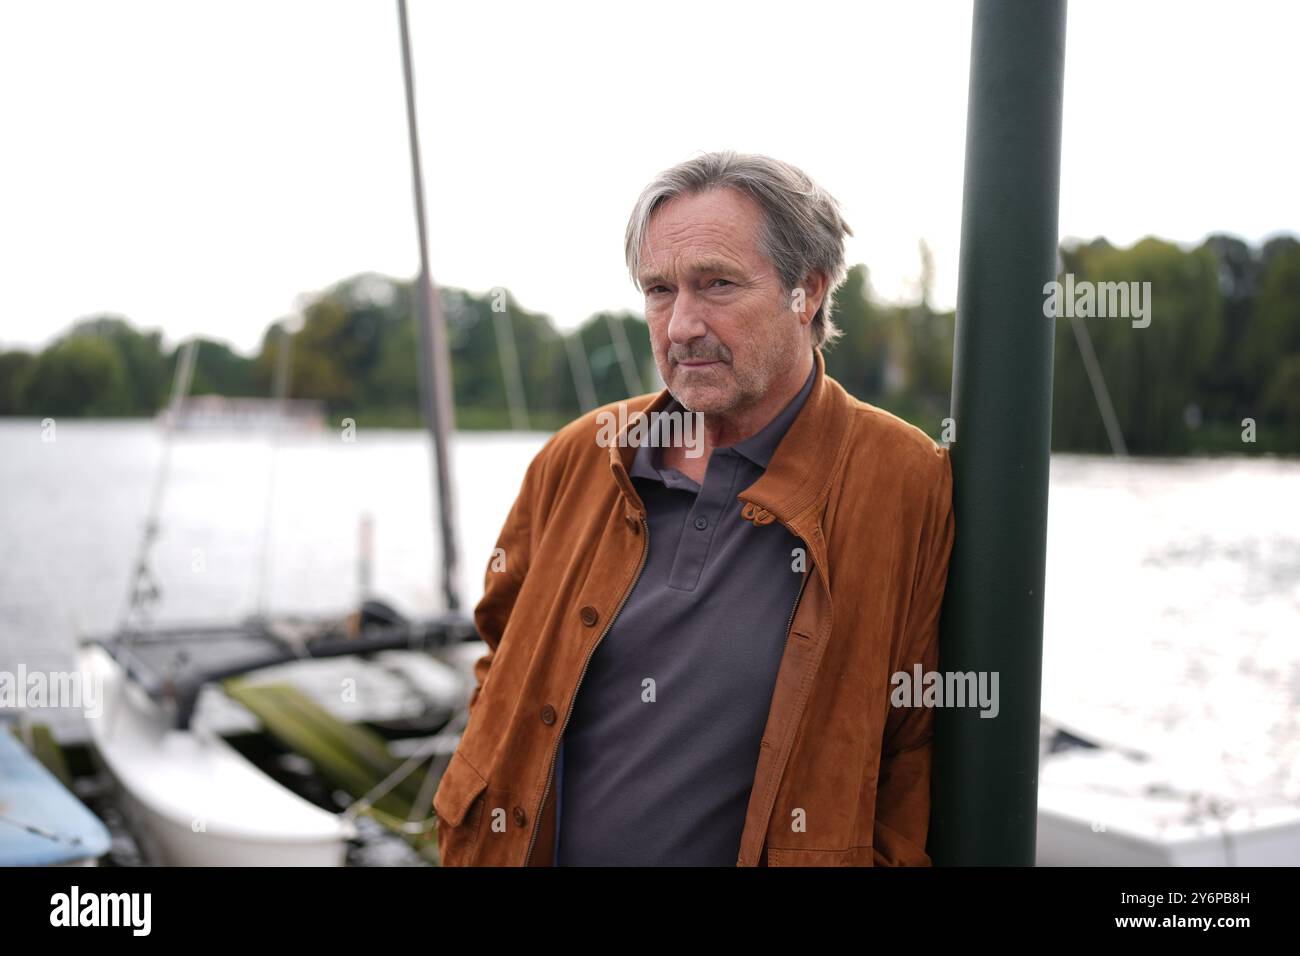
41, 822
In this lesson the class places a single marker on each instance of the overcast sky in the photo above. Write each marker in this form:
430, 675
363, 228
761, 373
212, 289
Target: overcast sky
196, 166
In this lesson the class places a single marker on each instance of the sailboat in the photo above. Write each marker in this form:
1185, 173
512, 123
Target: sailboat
192, 797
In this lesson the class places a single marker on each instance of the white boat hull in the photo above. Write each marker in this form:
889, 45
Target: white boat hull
192, 799
1103, 807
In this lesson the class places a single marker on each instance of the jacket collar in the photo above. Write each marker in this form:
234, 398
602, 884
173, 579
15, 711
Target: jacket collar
758, 448
797, 481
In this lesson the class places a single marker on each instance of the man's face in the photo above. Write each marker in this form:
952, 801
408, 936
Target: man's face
720, 325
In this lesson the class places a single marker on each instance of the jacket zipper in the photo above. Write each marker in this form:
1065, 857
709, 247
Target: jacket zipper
537, 824
790, 623
806, 574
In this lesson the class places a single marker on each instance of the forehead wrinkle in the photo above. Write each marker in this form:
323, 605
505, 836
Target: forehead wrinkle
693, 254
655, 274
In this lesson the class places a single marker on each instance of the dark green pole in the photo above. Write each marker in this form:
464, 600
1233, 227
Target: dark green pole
985, 774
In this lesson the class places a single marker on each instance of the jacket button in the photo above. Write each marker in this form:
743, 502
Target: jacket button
548, 714
521, 818
589, 615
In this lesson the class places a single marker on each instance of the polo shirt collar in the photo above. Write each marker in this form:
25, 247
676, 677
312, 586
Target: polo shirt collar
758, 447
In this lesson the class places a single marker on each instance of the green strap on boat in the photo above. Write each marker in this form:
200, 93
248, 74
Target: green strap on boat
349, 756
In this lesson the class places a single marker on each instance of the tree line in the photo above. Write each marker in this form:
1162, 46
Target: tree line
1222, 347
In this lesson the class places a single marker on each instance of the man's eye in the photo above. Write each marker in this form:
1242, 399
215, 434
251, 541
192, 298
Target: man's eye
656, 288
727, 281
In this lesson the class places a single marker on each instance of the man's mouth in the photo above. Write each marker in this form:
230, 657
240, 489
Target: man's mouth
698, 363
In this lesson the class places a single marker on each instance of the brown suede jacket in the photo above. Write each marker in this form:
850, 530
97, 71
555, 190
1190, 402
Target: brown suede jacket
843, 777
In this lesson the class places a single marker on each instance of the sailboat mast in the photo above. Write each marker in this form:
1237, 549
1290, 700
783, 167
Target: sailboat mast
435, 366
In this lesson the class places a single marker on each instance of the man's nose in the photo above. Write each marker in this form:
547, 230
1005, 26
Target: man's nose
688, 318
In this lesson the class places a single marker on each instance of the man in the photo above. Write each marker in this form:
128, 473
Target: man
691, 644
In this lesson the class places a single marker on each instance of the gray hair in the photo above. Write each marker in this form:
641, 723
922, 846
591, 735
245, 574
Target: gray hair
803, 230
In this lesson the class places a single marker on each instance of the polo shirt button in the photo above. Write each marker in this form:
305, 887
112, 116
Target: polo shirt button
521, 818
548, 714
589, 615
701, 522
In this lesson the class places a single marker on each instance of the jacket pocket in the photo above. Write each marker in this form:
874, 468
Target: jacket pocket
853, 856
458, 805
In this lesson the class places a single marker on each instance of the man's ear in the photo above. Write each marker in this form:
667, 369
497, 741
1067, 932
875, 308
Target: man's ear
809, 296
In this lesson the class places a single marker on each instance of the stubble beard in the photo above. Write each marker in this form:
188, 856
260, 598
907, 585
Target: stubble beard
734, 389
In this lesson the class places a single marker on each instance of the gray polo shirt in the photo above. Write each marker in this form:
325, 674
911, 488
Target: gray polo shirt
658, 758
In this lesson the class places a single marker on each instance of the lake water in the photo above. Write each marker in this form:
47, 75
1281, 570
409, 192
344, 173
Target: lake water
1172, 594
